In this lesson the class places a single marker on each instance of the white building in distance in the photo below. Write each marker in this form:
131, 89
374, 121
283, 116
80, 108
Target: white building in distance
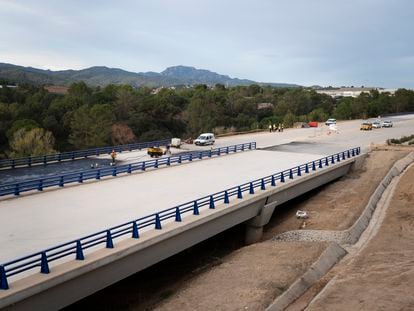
352, 91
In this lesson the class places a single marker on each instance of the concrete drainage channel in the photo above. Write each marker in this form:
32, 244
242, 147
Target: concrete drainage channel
340, 240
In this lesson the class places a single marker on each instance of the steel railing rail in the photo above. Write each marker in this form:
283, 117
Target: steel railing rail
132, 228
87, 174
73, 155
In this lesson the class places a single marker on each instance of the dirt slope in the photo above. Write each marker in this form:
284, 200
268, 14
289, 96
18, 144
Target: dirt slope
381, 277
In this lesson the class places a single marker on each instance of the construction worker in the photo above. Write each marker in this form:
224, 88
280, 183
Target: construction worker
113, 156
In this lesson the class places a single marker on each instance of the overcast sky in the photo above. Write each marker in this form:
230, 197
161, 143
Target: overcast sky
325, 42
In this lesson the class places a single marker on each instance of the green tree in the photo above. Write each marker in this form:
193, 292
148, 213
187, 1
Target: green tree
343, 110
403, 100
32, 142
318, 115
91, 127
26, 124
289, 119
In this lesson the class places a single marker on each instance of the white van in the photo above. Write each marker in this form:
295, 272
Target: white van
330, 121
205, 139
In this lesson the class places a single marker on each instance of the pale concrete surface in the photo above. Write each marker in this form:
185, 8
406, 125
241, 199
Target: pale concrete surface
349, 135
37, 221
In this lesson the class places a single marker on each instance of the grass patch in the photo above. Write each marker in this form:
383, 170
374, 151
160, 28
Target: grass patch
402, 140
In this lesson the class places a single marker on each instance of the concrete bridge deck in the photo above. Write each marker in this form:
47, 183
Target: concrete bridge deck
74, 279
40, 220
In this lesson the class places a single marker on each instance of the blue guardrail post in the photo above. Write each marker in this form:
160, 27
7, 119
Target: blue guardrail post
44, 265
239, 193
195, 208
211, 205
109, 242
79, 251
226, 197
135, 233
157, 222
177, 214
3, 279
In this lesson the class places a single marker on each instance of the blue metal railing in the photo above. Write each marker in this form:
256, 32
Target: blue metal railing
73, 155
81, 176
132, 228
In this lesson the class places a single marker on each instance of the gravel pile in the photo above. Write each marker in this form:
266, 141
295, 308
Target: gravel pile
312, 236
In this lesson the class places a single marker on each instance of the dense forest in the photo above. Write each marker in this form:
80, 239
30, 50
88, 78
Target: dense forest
34, 121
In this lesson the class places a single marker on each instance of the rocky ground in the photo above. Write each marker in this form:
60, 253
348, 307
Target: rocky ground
221, 274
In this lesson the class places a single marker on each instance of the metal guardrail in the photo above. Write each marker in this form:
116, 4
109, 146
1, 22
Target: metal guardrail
81, 176
73, 155
132, 228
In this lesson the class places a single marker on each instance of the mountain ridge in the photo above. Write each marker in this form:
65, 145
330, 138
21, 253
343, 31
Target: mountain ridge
103, 75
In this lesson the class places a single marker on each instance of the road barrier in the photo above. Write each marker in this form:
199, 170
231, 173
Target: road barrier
81, 176
79, 154
76, 248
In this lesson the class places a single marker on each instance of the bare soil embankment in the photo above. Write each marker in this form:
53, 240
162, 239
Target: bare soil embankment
380, 277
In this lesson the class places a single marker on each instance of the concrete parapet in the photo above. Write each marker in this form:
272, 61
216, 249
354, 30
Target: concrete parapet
331, 255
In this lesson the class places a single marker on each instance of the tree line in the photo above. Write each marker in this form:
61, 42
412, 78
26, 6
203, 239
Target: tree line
34, 121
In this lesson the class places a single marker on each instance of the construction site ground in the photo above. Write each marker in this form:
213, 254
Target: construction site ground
222, 274
379, 274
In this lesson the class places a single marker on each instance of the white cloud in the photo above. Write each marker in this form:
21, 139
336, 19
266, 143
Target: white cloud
327, 42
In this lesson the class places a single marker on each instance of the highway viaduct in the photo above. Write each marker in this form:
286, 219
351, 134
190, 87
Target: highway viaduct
252, 203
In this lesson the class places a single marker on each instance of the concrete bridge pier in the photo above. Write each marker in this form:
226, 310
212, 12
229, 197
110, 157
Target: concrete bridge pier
254, 226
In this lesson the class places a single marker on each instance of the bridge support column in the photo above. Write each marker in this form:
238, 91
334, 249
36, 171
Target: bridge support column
254, 226
359, 162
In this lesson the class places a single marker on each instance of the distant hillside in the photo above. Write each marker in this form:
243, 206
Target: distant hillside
100, 75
